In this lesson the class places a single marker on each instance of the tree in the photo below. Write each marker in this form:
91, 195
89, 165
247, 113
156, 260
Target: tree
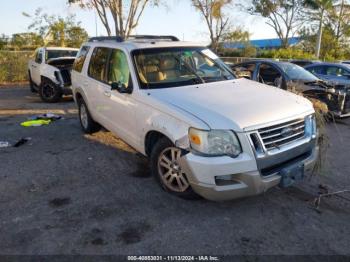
126, 14
216, 19
26, 41
282, 15
3, 41
317, 12
57, 30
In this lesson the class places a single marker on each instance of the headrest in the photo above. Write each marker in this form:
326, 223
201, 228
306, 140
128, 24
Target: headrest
167, 64
151, 69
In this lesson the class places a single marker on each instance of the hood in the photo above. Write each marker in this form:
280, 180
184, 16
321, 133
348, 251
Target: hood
235, 105
61, 61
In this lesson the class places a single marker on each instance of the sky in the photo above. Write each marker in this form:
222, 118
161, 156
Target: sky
179, 18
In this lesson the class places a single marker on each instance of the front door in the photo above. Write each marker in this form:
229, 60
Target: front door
120, 108
113, 110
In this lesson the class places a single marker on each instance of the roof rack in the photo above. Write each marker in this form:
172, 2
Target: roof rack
153, 37
134, 37
106, 38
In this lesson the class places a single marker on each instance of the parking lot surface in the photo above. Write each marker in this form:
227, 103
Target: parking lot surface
64, 192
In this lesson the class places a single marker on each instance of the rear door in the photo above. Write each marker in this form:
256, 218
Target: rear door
95, 86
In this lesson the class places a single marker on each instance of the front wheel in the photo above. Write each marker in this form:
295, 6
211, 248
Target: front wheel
50, 92
167, 170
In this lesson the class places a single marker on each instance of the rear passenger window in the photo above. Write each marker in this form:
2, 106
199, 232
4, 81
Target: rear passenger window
98, 63
79, 61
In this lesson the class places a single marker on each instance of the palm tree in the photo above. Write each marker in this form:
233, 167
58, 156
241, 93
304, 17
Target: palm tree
320, 7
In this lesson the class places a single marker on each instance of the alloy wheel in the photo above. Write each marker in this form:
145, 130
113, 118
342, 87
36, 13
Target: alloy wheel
170, 170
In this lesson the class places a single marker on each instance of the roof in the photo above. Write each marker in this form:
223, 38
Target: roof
143, 44
263, 43
347, 66
61, 48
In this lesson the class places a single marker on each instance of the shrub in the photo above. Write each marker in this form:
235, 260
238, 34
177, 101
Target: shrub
13, 66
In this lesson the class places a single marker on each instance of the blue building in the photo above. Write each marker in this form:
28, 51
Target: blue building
263, 43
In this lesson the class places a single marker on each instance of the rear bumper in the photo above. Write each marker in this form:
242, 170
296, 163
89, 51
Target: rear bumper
241, 175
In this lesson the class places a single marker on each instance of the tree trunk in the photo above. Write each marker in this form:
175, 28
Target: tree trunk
319, 36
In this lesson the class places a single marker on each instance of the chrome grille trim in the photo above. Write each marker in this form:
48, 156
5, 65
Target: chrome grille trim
273, 137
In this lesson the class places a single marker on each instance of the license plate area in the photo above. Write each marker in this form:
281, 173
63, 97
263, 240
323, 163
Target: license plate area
290, 175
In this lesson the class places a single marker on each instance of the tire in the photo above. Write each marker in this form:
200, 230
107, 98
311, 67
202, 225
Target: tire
168, 172
31, 84
49, 92
88, 125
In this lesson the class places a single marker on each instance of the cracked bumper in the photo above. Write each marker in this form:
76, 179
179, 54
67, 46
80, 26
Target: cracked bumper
242, 177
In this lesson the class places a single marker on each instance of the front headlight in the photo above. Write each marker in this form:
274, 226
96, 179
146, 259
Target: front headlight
214, 142
310, 126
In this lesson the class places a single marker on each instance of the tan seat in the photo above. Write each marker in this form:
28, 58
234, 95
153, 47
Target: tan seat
152, 74
168, 68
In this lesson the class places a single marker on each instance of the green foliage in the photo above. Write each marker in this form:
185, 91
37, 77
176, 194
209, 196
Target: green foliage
3, 41
26, 41
282, 15
57, 30
331, 48
288, 53
13, 66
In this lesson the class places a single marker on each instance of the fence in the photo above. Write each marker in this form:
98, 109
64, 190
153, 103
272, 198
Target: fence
13, 66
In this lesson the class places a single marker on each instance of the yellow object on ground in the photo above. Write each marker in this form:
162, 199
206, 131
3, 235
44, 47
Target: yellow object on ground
35, 123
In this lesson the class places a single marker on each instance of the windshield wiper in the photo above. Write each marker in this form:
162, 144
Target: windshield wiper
189, 68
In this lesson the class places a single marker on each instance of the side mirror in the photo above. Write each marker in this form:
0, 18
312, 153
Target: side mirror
121, 88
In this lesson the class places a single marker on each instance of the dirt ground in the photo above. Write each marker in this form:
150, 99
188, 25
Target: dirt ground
67, 193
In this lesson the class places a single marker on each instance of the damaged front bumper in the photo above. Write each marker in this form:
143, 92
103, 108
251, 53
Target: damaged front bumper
226, 178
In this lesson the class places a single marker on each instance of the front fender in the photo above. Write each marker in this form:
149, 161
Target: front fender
48, 71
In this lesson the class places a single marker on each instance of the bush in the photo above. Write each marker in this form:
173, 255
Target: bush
13, 66
290, 53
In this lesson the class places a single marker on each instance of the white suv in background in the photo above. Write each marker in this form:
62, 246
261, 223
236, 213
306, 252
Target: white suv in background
49, 72
205, 132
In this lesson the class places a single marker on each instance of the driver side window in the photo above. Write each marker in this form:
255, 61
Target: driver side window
270, 75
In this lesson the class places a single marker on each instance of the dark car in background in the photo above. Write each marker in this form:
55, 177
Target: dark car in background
292, 77
332, 73
302, 62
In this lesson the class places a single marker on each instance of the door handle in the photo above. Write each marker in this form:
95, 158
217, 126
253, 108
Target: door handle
107, 93
33, 66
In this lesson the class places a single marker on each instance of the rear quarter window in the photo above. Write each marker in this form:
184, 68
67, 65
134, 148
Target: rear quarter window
80, 59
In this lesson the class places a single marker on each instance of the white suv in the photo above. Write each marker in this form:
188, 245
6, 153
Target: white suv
49, 72
205, 132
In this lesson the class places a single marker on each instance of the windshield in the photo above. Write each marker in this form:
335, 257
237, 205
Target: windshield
59, 53
172, 67
295, 72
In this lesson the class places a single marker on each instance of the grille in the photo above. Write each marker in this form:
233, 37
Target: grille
347, 103
66, 76
278, 135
